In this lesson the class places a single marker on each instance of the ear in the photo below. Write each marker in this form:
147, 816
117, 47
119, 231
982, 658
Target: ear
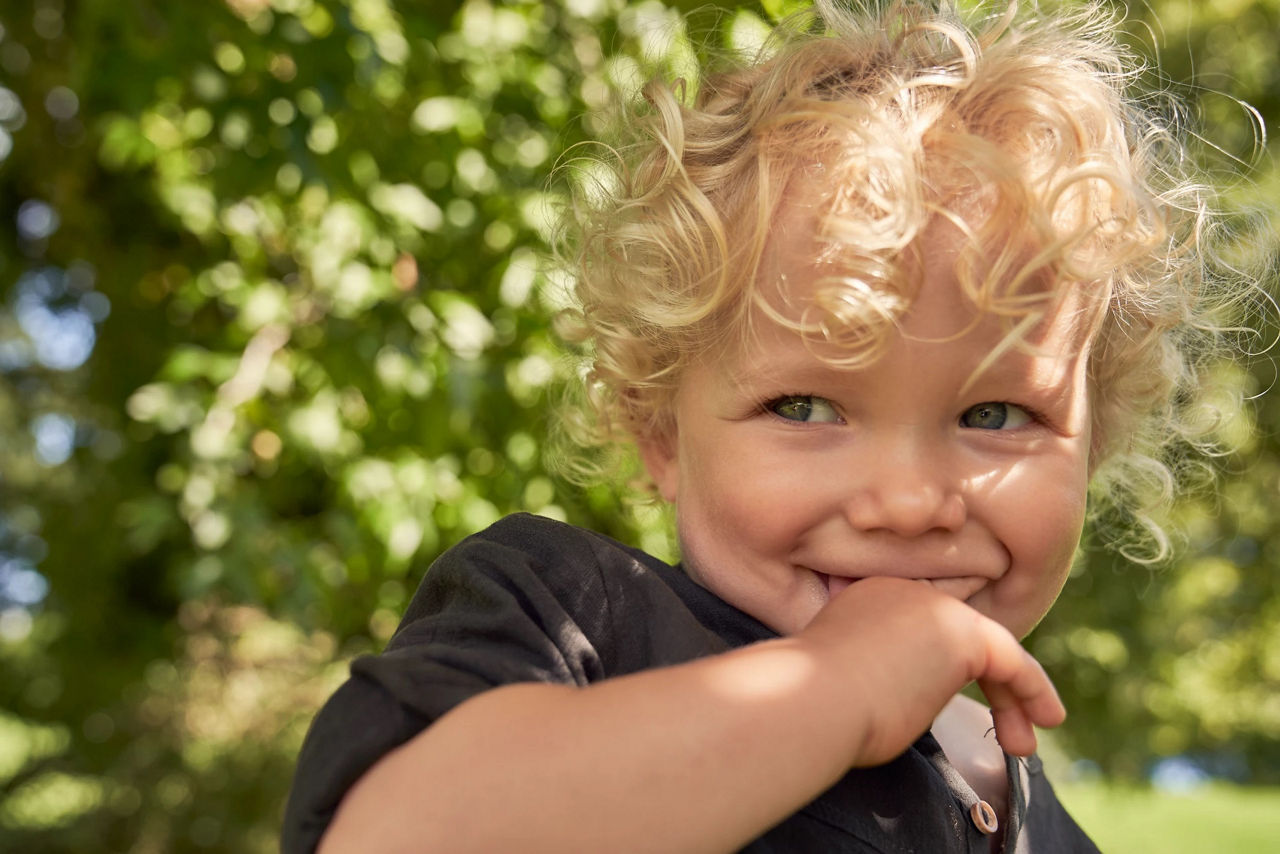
661, 461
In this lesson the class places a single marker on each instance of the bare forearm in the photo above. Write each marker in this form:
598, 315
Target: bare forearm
703, 756
700, 757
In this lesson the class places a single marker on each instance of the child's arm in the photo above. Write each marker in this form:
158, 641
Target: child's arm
701, 756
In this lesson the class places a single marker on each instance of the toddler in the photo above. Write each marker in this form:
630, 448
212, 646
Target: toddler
876, 310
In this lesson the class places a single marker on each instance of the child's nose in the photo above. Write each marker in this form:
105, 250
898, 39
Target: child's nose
909, 496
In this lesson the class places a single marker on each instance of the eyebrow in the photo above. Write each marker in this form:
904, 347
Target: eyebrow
1028, 373
788, 369
1010, 367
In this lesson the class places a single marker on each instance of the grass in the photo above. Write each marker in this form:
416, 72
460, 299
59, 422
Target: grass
1214, 819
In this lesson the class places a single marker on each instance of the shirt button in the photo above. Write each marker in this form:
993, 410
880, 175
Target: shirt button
984, 817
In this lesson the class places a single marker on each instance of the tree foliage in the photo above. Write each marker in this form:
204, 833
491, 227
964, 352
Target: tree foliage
275, 330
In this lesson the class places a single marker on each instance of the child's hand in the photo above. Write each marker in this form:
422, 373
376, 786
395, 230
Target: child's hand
910, 648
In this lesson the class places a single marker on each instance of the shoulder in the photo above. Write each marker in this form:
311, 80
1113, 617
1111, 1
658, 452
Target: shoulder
577, 561
548, 541
528, 550
521, 554
533, 568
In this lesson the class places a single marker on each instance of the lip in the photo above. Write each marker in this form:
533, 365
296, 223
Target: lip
960, 587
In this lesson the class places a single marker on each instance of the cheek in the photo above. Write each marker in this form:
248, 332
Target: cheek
1049, 520
738, 538
1041, 524
728, 509
749, 489
737, 510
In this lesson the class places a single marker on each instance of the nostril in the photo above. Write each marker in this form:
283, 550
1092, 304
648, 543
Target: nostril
908, 510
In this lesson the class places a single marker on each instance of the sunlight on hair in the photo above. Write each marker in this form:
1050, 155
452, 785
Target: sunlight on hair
896, 117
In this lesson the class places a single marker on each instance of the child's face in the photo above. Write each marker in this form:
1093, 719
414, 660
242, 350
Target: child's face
792, 478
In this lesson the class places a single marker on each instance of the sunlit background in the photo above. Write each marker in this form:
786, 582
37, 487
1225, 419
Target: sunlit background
275, 330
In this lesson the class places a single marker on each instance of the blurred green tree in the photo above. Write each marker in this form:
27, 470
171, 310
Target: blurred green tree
275, 330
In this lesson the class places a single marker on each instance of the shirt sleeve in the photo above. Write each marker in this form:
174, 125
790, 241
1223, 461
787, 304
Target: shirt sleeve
520, 602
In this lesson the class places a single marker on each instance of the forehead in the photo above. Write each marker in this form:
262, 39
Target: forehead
939, 337
937, 287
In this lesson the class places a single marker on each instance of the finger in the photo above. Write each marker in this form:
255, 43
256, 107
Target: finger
1044, 709
1013, 678
1014, 731
1015, 714
1033, 695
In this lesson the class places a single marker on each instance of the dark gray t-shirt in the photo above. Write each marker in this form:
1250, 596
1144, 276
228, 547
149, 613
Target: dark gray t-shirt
533, 600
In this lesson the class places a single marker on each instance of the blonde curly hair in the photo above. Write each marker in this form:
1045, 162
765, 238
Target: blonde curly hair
1021, 130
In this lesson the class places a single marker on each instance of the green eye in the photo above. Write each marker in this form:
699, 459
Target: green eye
806, 408
994, 416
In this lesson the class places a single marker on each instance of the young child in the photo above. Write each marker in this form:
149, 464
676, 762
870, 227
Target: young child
875, 310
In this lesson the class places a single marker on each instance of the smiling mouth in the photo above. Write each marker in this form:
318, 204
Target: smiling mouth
959, 587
